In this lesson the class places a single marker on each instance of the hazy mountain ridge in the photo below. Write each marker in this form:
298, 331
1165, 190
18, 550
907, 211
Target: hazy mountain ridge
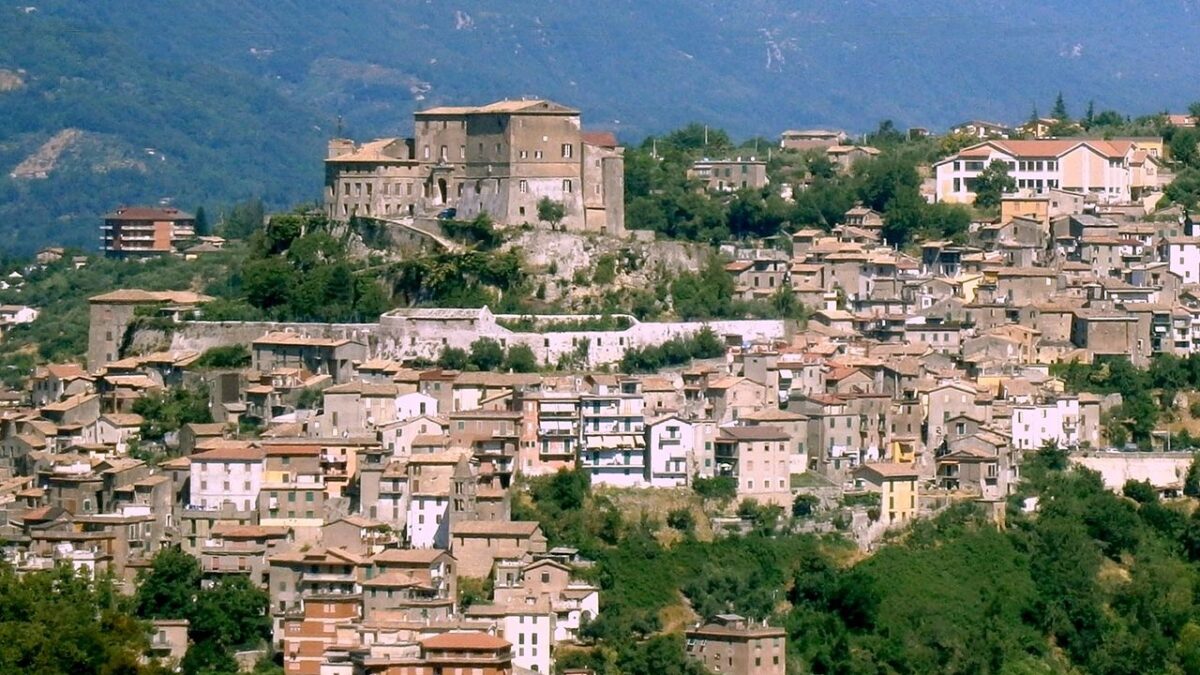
238, 96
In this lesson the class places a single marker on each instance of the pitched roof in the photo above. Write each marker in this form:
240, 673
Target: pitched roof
760, 432
497, 527
472, 641
890, 469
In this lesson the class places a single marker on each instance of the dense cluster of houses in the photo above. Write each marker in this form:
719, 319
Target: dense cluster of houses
359, 488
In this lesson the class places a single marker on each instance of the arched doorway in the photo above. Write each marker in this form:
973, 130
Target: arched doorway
442, 190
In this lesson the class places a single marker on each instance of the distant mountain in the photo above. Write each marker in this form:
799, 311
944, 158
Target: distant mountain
210, 101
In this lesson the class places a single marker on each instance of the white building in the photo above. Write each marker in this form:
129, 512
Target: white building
222, 475
613, 450
428, 521
415, 404
1034, 425
671, 449
1113, 171
1182, 255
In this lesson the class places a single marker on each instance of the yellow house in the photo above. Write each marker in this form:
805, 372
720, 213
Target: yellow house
1034, 208
896, 484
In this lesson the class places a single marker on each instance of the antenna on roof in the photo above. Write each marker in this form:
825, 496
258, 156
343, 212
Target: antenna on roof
339, 127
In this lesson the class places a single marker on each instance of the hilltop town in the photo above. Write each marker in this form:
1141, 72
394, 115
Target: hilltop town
464, 413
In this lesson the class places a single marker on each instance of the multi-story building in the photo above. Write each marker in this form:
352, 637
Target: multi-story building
322, 356
810, 139
729, 175
758, 458
231, 474
1112, 171
520, 152
731, 645
897, 487
671, 449
500, 159
138, 231
613, 446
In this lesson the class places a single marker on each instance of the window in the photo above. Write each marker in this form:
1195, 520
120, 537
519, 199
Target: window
537, 154
523, 186
567, 150
425, 152
566, 185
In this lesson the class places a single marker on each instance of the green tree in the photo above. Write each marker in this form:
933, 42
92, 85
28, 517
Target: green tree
1059, 111
717, 488
232, 614
550, 211
1191, 481
453, 358
486, 354
682, 519
992, 184
203, 229
166, 411
229, 356
520, 359
1185, 147
243, 220
167, 590
1141, 492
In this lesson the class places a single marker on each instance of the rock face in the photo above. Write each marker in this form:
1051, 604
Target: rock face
43, 161
10, 80
562, 257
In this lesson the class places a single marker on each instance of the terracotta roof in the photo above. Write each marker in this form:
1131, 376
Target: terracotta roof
604, 139
761, 432
418, 556
496, 527
148, 213
473, 641
231, 454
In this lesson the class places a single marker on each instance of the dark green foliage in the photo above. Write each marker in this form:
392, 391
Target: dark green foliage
550, 211
1191, 482
167, 590
803, 506
55, 622
520, 359
166, 411
453, 358
992, 184
479, 232
231, 356
1059, 111
717, 488
243, 220
1139, 411
468, 279
229, 616
674, 352
682, 520
486, 354
203, 227
1141, 492
528, 324
606, 270
705, 294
